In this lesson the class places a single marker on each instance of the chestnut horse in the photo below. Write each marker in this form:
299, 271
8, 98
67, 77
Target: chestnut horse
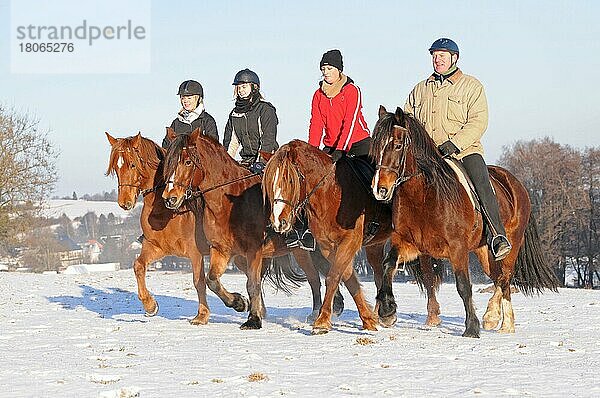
234, 217
300, 177
137, 163
433, 216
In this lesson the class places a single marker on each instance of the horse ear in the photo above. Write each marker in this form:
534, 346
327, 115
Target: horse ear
382, 110
111, 139
265, 155
137, 140
194, 136
400, 117
170, 133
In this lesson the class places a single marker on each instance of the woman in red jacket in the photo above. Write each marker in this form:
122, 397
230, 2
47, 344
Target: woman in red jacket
336, 117
337, 121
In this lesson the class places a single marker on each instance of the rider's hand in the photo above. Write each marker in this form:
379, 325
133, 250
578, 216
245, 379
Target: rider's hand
337, 155
447, 149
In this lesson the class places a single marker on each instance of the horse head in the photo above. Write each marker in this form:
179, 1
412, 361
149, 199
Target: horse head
181, 171
390, 150
134, 160
282, 183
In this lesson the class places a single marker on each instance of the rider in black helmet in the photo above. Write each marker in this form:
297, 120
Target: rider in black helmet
252, 124
192, 114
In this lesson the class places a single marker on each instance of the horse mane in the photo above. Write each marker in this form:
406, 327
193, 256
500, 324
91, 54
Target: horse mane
149, 155
438, 174
289, 178
173, 153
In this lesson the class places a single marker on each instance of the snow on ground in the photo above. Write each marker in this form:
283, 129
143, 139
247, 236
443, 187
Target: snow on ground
85, 335
78, 208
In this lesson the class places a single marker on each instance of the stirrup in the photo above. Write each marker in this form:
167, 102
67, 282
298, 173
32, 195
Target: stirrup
307, 241
500, 247
292, 240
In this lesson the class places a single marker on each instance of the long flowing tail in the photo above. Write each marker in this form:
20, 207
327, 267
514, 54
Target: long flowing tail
281, 273
414, 268
532, 271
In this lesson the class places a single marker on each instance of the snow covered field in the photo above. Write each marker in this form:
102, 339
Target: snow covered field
85, 335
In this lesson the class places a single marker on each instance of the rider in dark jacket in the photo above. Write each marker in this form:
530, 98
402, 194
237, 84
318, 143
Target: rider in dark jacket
252, 124
192, 114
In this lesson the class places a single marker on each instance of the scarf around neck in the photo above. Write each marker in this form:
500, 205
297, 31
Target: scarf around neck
189, 116
331, 90
243, 105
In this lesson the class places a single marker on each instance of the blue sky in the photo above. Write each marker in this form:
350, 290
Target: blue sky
538, 61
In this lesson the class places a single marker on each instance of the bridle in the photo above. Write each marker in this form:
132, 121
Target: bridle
190, 192
140, 191
296, 208
401, 176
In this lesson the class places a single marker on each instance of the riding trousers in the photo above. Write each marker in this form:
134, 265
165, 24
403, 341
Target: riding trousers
478, 172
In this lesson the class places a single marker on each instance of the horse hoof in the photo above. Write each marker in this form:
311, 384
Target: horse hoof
489, 324
388, 321
150, 314
319, 330
252, 323
471, 333
198, 320
240, 303
506, 330
436, 321
370, 327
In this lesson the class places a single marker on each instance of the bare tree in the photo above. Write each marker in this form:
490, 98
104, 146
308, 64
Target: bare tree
28, 171
552, 174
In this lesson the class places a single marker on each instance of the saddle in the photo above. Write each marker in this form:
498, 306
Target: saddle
465, 181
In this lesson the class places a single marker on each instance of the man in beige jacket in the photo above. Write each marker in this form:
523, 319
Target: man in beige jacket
453, 108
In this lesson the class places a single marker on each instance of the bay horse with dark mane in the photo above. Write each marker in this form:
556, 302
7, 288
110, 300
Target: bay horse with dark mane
433, 216
234, 217
137, 163
302, 178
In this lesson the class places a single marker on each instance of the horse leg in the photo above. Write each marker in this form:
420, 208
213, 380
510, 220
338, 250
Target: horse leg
342, 259
253, 285
218, 265
431, 283
375, 259
386, 303
508, 316
364, 309
148, 254
460, 264
200, 284
323, 265
304, 260
493, 312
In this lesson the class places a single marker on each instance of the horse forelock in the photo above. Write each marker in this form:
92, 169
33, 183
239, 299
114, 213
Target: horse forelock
123, 153
282, 171
436, 171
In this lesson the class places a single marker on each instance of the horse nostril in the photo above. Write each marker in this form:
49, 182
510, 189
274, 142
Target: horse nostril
382, 192
283, 222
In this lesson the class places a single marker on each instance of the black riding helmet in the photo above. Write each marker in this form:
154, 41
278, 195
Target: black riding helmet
246, 76
191, 87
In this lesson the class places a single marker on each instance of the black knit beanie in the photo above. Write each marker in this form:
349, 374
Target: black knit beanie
332, 58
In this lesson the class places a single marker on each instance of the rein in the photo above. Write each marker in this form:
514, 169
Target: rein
190, 192
301, 204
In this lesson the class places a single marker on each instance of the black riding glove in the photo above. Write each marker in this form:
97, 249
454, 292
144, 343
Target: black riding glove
447, 149
337, 155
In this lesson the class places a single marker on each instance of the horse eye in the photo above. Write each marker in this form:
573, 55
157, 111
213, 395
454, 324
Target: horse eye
132, 165
188, 163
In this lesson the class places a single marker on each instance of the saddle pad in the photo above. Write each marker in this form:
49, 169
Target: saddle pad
464, 180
